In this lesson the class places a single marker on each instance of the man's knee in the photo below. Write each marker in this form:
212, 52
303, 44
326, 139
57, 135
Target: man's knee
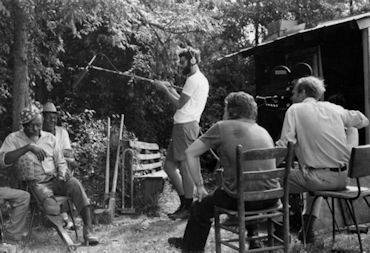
74, 184
169, 166
51, 206
26, 197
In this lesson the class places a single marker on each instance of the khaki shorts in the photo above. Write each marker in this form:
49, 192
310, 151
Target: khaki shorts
183, 135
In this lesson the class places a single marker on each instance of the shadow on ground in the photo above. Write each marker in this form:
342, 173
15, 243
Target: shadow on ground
136, 234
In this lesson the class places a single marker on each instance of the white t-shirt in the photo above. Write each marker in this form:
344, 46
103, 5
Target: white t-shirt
62, 136
196, 87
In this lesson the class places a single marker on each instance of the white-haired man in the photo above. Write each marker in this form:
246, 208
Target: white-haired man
317, 129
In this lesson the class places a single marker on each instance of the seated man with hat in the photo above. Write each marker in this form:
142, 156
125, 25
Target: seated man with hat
39, 161
50, 116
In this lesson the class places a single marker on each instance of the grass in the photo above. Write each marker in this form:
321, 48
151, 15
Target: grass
136, 234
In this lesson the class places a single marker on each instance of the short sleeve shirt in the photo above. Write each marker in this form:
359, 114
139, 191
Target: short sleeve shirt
62, 137
196, 87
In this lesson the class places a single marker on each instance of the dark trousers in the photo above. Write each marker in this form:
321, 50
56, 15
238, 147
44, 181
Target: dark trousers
71, 188
199, 223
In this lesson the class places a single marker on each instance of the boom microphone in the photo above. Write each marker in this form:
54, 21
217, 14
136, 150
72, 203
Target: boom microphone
84, 72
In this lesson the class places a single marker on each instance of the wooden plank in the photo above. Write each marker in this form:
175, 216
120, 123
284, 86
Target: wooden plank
262, 195
363, 23
366, 63
262, 154
263, 174
143, 145
149, 166
57, 223
158, 174
144, 157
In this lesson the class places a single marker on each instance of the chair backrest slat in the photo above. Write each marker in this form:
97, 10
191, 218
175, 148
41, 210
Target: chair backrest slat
252, 174
264, 154
263, 174
263, 195
359, 164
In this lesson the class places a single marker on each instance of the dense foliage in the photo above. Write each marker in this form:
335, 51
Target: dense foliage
136, 37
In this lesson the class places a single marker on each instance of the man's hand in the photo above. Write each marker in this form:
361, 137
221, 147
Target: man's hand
201, 193
162, 85
39, 152
64, 176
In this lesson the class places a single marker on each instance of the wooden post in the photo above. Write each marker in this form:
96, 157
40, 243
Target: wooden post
366, 62
20, 85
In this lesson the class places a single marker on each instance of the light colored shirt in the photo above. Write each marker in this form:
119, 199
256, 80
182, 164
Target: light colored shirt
54, 158
196, 87
317, 129
62, 137
226, 135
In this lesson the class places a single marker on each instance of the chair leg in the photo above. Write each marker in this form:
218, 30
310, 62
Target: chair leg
332, 211
367, 202
73, 218
241, 234
308, 222
269, 233
333, 217
217, 231
342, 211
3, 239
355, 221
301, 197
33, 210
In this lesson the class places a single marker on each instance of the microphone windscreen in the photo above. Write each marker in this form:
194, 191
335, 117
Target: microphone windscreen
81, 76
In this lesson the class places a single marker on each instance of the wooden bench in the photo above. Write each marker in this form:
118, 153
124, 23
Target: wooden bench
142, 161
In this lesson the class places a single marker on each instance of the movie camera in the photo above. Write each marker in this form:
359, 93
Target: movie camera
282, 82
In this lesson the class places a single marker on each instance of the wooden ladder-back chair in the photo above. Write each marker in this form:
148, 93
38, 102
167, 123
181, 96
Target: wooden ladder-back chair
258, 216
359, 166
55, 220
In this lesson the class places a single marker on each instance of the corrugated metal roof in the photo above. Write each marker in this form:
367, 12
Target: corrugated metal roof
250, 50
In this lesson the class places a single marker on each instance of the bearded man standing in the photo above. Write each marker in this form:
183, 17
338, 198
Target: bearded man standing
189, 108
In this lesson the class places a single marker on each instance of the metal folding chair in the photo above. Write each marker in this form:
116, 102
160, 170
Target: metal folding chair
358, 167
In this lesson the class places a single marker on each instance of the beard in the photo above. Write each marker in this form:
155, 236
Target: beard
186, 70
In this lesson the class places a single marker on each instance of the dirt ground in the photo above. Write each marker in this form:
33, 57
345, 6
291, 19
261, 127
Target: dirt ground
140, 233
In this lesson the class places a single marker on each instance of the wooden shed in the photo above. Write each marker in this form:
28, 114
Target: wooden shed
339, 52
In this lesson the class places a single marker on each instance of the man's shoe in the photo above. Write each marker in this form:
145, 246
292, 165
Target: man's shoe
308, 224
279, 232
310, 236
182, 214
255, 244
175, 242
231, 220
89, 238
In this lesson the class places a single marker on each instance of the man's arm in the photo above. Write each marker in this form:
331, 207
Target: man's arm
288, 132
353, 118
11, 156
192, 153
60, 164
176, 99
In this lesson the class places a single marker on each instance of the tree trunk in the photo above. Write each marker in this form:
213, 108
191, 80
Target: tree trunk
20, 86
256, 34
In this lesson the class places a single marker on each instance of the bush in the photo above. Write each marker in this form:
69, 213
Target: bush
89, 142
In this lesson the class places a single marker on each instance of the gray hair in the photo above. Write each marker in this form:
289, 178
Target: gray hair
241, 105
313, 86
